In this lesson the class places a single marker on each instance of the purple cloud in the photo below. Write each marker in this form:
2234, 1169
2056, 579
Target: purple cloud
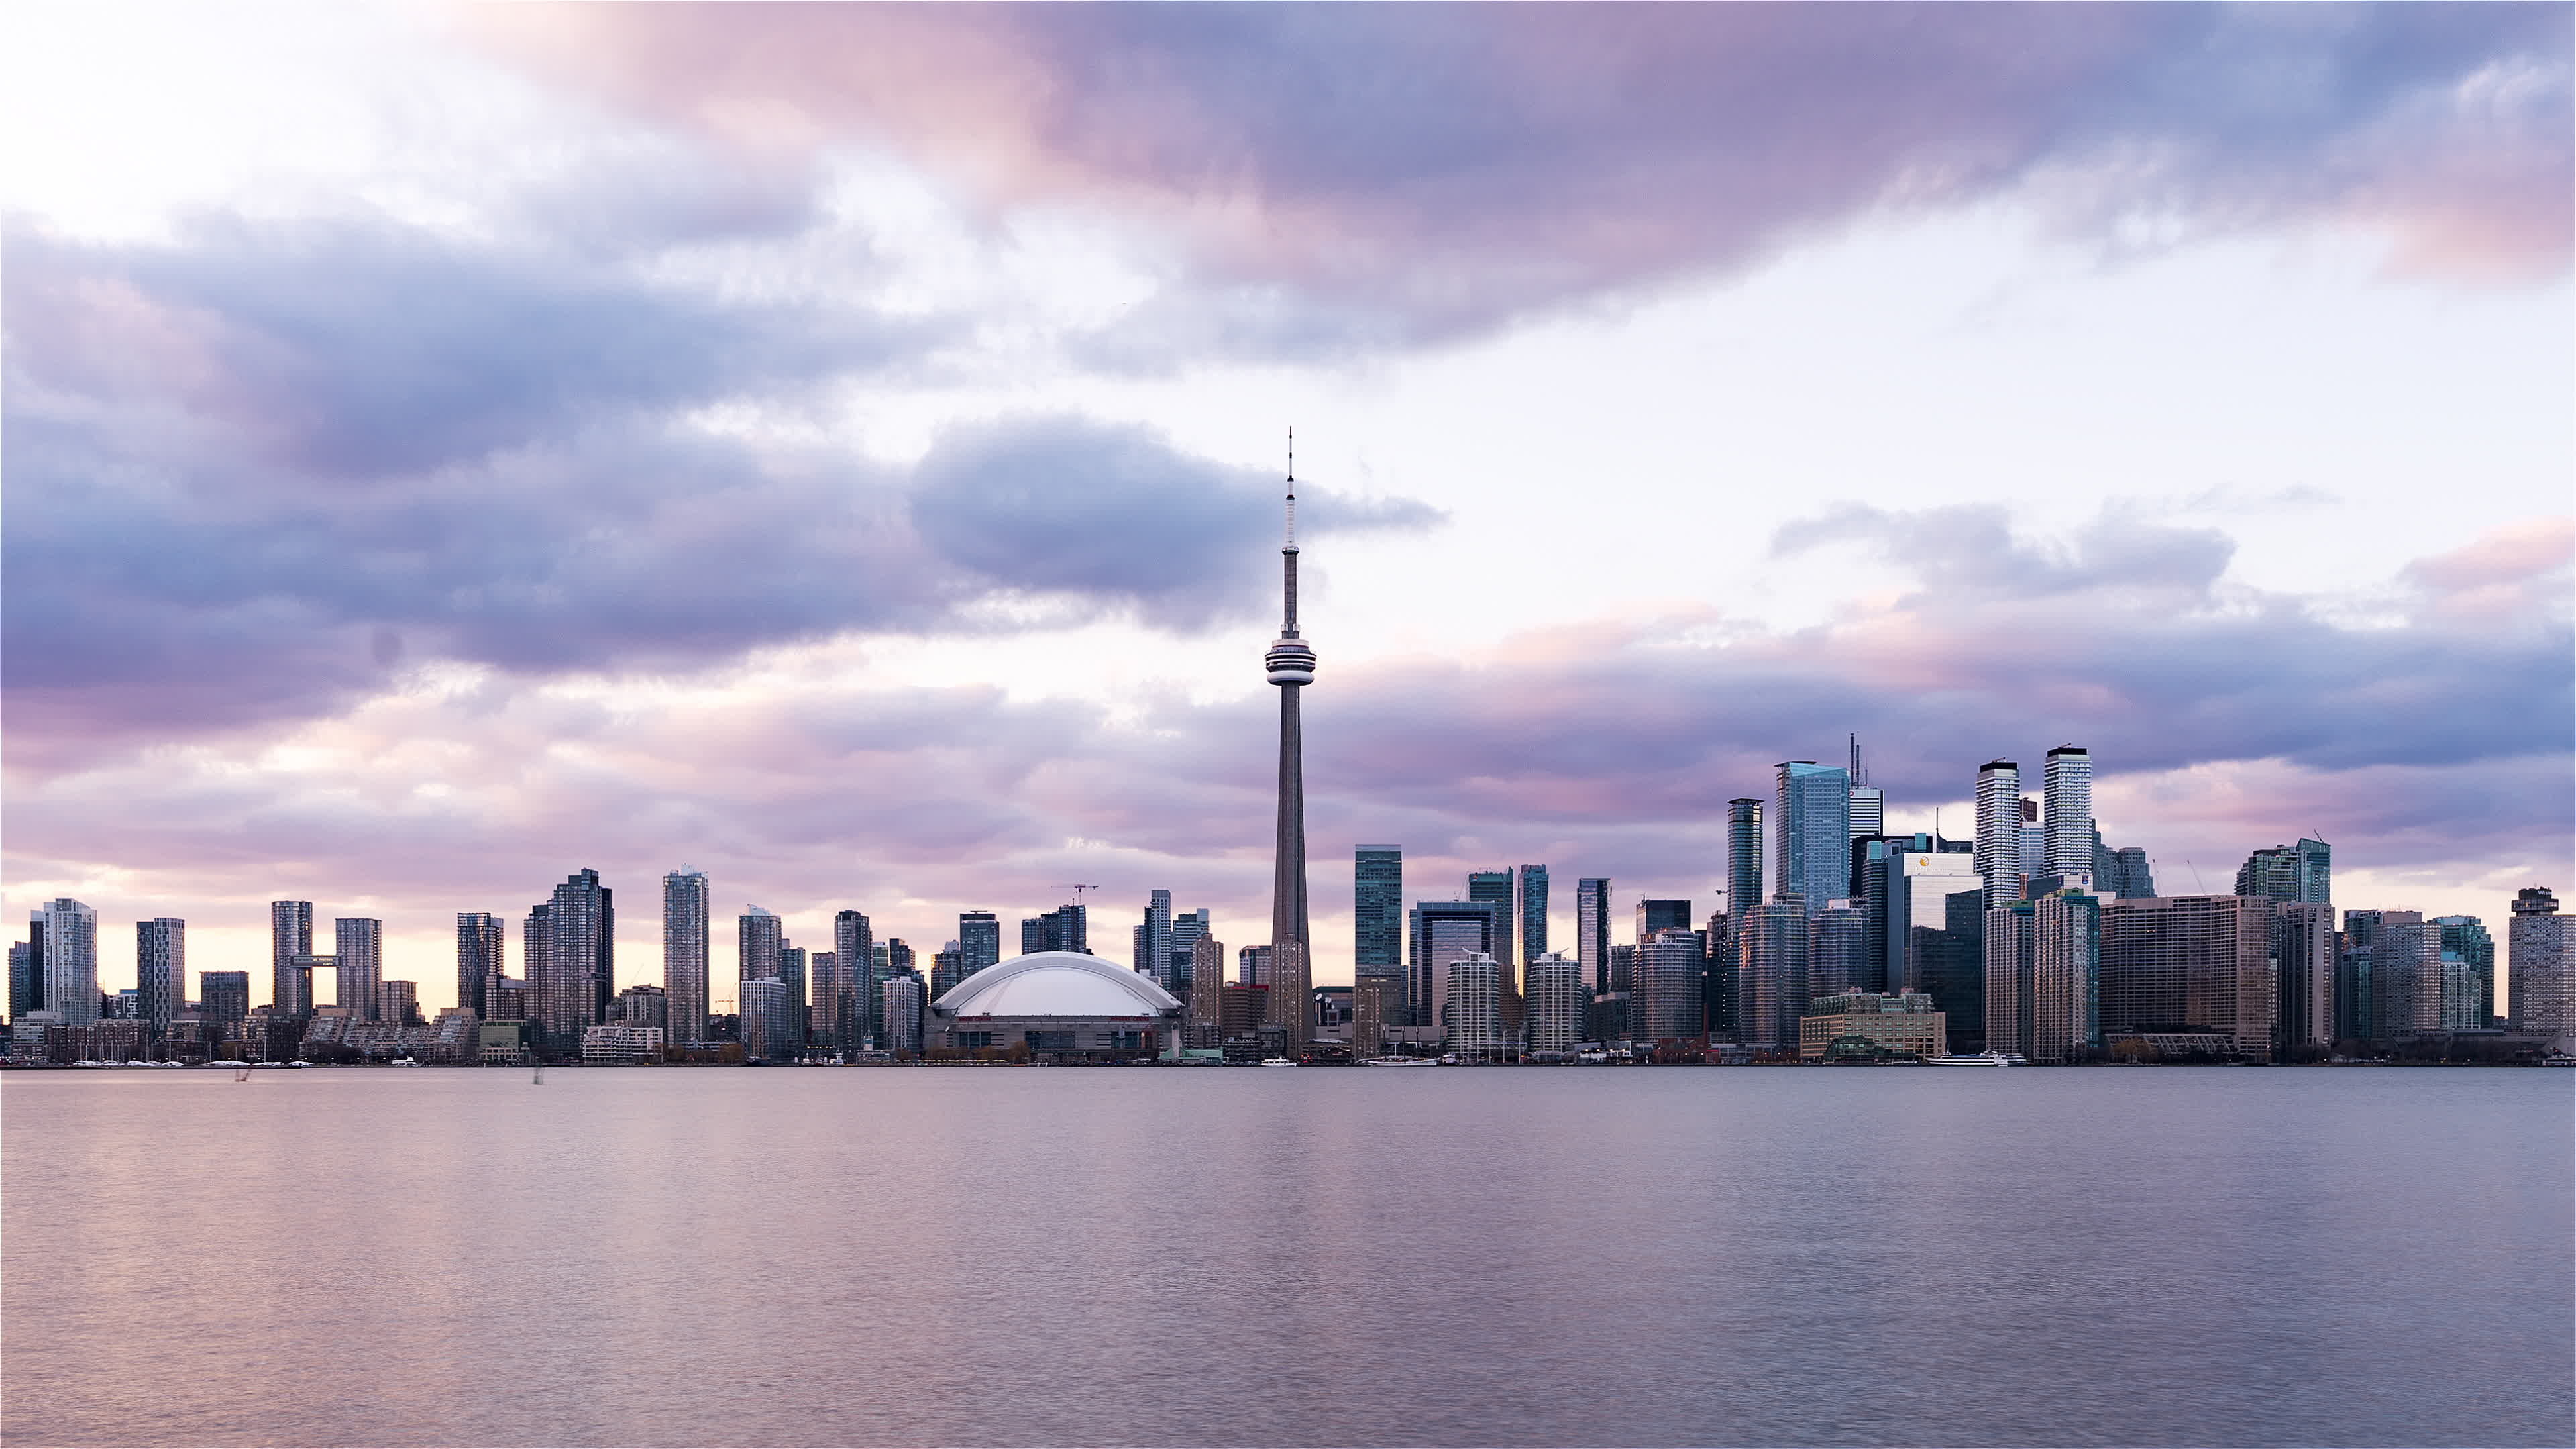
1413, 171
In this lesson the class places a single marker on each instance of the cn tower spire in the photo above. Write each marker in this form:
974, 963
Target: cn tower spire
1290, 665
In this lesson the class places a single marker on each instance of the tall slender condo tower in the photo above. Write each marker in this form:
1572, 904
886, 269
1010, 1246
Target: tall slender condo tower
1291, 666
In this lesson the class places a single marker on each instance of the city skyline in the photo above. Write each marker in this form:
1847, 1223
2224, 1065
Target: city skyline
867, 505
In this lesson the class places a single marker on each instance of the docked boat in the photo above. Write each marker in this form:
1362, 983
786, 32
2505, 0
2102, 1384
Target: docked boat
1277, 1062
1399, 1062
1979, 1059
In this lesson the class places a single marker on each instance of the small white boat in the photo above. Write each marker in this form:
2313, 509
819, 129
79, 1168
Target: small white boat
1398, 1062
1979, 1059
1277, 1062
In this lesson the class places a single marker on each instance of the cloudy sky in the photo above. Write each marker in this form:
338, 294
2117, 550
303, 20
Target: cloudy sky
839, 448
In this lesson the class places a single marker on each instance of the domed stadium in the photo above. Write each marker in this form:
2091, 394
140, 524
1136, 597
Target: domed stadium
1059, 1006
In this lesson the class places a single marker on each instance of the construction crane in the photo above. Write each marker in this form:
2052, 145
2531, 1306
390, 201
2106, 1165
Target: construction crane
1078, 890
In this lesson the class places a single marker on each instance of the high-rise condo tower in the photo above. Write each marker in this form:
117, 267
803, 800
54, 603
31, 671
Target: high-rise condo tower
1290, 665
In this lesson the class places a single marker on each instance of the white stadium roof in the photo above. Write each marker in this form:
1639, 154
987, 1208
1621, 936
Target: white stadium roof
1060, 984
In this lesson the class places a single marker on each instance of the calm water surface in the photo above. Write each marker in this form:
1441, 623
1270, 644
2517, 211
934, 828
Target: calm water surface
1455, 1257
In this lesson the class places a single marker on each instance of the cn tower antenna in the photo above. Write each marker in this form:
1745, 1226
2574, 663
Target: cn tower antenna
1292, 487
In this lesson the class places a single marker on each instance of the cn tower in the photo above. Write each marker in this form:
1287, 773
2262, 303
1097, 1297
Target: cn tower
1291, 666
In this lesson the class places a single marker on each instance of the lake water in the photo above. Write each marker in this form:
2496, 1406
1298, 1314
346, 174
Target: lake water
1500, 1256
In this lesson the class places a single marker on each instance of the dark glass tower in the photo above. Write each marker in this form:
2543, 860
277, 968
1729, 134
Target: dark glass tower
1290, 665
1377, 901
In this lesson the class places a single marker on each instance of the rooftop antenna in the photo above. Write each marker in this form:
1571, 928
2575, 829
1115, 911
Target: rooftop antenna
1292, 487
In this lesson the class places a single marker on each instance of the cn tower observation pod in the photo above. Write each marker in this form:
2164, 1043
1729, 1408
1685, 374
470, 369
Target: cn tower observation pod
1061, 1005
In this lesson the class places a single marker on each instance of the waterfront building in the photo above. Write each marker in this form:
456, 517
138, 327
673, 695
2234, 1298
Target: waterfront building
1862, 1024
1376, 1001
621, 1043
2354, 1017
1290, 665
2012, 970
1252, 966
2067, 833
1592, 931
946, 970
1472, 986
1207, 991
1556, 993
1377, 910
536, 938
290, 935
358, 964
1445, 931
227, 996
1911, 901
1494, 888
854, 941
580, 963
2540, 969
306, 967
1771, 982
2196, 961
478, 959
1061, 1005
901, 1010
1837, 954
397, 1003
1999, 820
2066, 978
767, 1024
2304, 950
161, 971
2466, 938
1666, 1002
1811, 833
687, 935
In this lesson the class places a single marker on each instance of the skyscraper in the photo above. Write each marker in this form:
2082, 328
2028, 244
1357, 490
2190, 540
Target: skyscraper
686, 936
1494, 888
1868, 802
1207, 992
1743, 856
1998, 854
1066, 928
360, 958
2043, 967
2067, 780
1592, 930
27, 971
901, 1009
2540, 976
1445, 931
854, 941
1771, 981
2195, 961
227, 995
757, 938
1811, 835
1187, 927
1153, 947
1533, 913
1665, 1002
979, 940
1657, 914
290, 934
1837, 950
2304, 945
1472, 992
1377, 912
581, 961
1557, 998
161, 970
1290, 664
2301, 872
478, 960
2466, 938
